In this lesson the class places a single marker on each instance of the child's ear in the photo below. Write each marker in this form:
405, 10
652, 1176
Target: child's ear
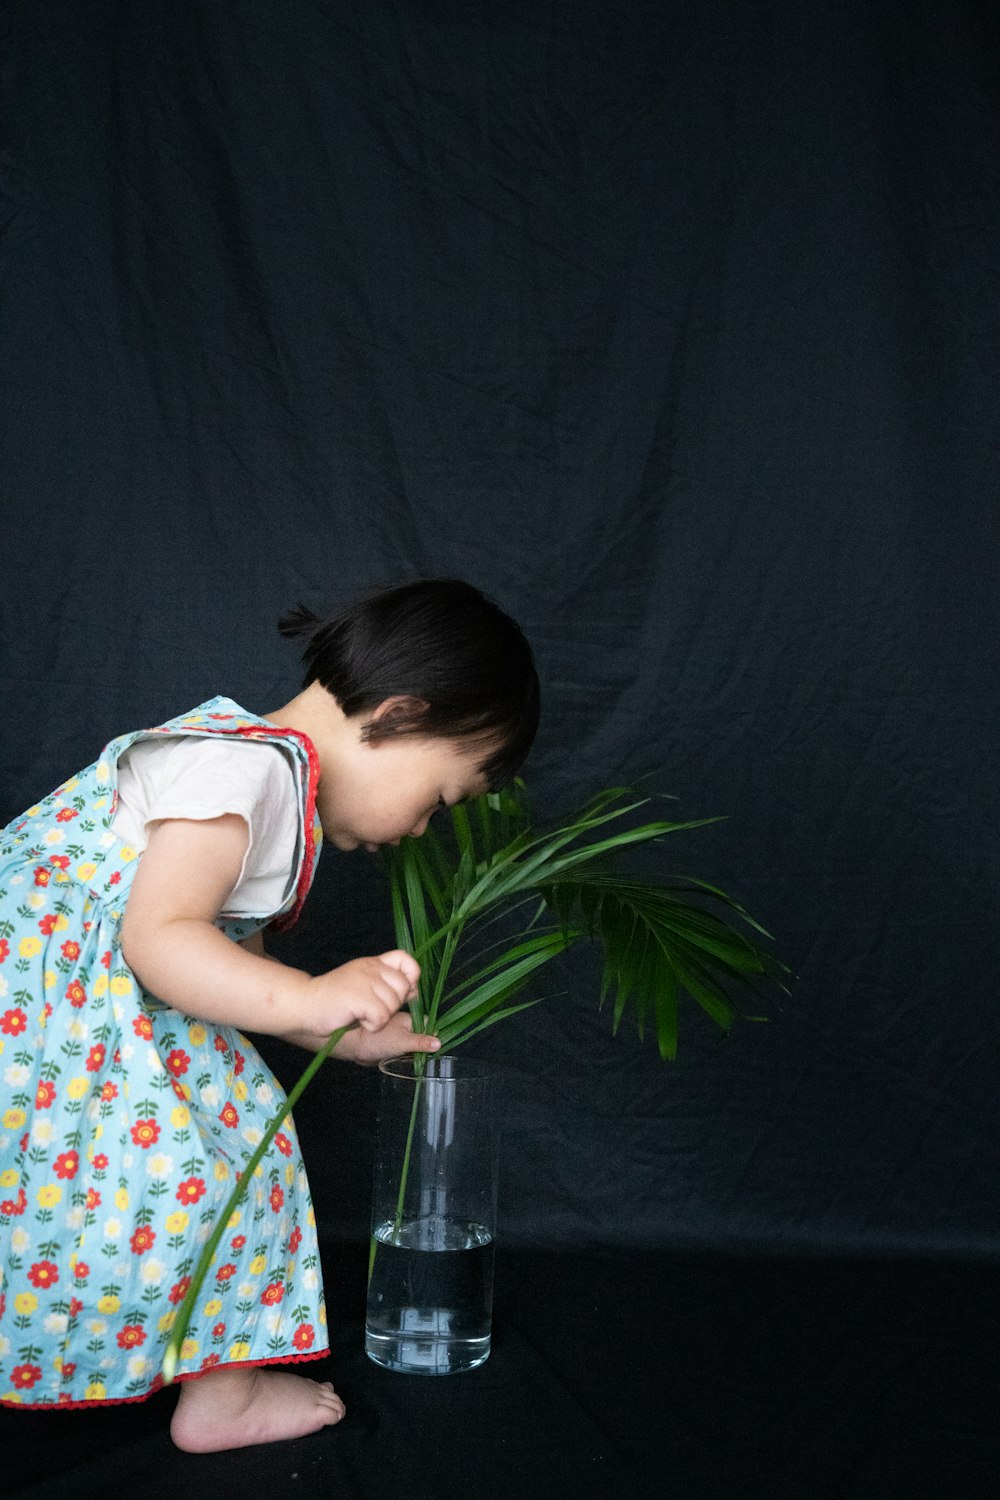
393, 713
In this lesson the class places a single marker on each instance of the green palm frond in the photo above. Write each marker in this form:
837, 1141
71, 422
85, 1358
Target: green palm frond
659, 942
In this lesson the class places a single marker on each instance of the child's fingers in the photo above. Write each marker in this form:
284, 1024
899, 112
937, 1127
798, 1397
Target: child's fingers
404, 963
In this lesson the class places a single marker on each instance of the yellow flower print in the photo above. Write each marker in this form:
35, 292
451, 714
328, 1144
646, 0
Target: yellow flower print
240, 1090
321, 1319
50, 979
70, 786
29, 947
121, 1199
234, 1218
25, 1303
311, 1217
121, 984
189, 1348
126, 853
95, 1391
220, 1171
239, 1350
180, 1117
289, 1174
49, 1195
108, 1304
101, 770
10, 1178
177, 1222
33, 811
77, 1087
257, 1265
100, 802
212, 1308
87, 870
100, 986
197, 1035
167, 1321
13, 1119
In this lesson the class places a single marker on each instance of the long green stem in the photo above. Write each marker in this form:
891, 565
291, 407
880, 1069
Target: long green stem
171, 1354
419, 1065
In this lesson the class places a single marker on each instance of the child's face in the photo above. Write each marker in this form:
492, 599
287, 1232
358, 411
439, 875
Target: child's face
378, 793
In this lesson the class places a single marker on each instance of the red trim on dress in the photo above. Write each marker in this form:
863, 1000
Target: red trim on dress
242, 1364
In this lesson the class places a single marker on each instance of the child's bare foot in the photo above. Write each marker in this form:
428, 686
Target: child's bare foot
234, 1408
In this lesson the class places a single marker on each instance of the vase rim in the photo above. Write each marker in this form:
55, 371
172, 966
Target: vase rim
448, 1069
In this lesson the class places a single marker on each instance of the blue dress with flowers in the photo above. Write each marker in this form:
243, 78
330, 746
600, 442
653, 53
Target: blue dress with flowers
123, 1123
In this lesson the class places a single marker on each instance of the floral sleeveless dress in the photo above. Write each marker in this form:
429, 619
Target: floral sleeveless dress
123, 1123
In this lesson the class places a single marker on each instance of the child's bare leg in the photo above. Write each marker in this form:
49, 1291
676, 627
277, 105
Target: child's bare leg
234, 1407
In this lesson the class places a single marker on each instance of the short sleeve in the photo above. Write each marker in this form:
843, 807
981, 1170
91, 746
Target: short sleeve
206, 777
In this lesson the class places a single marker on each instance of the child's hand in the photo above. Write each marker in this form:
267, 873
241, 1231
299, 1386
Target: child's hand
367, 990
396, 1038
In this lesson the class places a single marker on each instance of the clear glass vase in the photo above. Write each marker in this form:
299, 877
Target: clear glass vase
430, 1282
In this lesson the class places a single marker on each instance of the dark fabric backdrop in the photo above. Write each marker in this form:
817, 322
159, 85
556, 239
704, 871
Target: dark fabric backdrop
674, 326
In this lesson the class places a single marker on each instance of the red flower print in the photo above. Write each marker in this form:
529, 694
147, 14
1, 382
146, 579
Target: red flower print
81, 1270
283, 1144
76, 994
75, 1307
42, 875
131, 1336
179, 1290
142, 1239
190, 1190
115, 877
109, 1091
272, 1293
13, 1022
239, 1241
67, 1164
277, 1198
228, 1116
303, 1337
47, 924
145, 1133
12, 1208
45, 1094
178, 1062
225, 1273
24, 1376
181, 1090
4, 949
221, 1045
239, 1064
95, 1058
93, 1198
68, 1371
70, 950
295, 1240
61, 861
44, 1273
209, 1361
100, 1163
106, 959
66, 815
143, 1026
218, 1330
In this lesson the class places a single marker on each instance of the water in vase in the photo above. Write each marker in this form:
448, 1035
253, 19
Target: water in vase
430, 1296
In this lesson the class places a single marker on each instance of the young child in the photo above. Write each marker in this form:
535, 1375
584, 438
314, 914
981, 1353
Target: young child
132, 903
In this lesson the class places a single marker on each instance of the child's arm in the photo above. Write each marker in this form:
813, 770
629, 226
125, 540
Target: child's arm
183, 880
363, 1047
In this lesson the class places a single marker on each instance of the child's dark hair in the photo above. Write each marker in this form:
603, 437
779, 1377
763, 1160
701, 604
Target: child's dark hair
438, 640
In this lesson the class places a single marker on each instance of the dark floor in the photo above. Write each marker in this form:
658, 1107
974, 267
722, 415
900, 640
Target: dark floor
693, 1378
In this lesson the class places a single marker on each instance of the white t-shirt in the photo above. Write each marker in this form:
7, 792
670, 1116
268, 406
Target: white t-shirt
204, 777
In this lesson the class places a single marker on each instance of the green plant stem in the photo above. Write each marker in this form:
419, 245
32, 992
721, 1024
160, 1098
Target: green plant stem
419, 1065
171, 1354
